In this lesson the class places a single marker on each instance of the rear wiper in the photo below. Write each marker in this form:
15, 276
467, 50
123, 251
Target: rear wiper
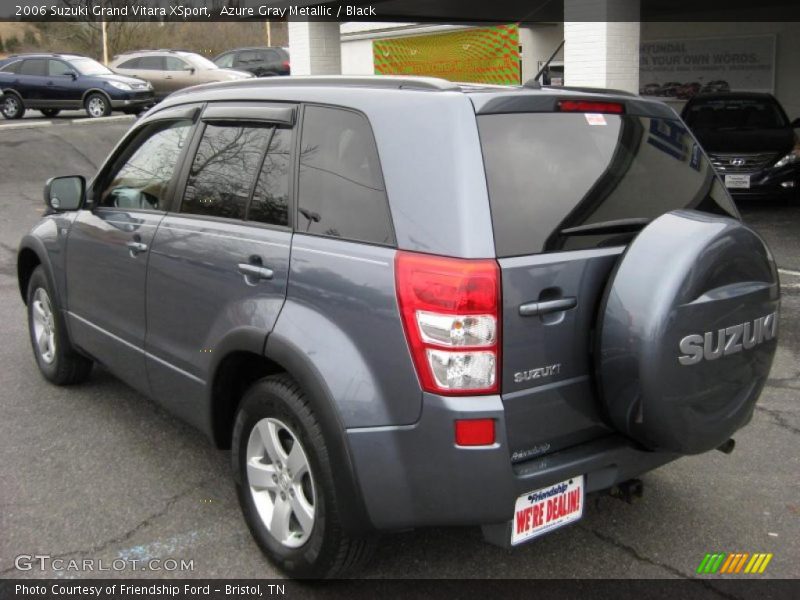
616, 226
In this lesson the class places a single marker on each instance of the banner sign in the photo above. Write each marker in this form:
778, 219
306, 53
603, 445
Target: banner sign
682, 68
480, 55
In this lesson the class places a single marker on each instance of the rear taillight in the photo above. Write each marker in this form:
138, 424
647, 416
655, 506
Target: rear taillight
286, 65
451, 315
591, 106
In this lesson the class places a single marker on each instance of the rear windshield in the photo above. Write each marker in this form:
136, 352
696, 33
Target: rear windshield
732, 113
547, 172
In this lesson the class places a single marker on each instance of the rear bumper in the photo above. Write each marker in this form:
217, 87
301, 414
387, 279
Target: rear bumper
415, 475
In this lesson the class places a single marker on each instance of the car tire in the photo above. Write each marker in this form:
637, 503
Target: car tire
57, 359
50, 112
292, 516
12, 107
97, 105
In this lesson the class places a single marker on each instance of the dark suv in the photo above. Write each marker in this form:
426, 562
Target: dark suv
261, 62
51, 83
404, 302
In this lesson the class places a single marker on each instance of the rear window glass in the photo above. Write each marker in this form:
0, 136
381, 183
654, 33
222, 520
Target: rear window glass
731, 113
12, 67
34, 66
547, 172
340, 190
130, 64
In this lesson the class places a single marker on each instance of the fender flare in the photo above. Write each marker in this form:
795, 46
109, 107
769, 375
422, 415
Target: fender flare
7, 91
36, 246
353, 511
94, 90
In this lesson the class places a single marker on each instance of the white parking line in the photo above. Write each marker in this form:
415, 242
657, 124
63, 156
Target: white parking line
25, 125
789, 272
104, 119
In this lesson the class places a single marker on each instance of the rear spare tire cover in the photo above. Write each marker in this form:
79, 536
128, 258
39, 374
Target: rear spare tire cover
687, 332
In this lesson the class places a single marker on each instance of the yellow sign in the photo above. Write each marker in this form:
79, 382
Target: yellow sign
480, 55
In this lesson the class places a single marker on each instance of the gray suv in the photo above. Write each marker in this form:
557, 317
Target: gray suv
403, 302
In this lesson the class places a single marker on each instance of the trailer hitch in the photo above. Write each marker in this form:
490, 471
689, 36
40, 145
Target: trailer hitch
627, 491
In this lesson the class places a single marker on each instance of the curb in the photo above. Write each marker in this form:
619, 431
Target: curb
78, 121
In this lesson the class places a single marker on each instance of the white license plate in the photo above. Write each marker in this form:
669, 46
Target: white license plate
542, 511
737, 181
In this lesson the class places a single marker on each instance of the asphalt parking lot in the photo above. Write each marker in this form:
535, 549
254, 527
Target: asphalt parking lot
100, 472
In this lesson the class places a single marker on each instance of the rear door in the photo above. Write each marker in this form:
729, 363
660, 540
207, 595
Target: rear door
32, 80
567, 192
109, 245
220, 261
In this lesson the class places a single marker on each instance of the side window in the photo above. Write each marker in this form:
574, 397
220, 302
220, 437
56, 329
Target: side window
270, 203
58, 68
131, 64
175, 64
341, 191
34, 66
12, 67
226, 61
222, 173
152, 63
141, 182
247, 56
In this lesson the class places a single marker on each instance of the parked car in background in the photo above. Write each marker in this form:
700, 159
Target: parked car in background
669, 89
719, 85
51, 83
688, 90
751, 143
171, 70
261, 62
651, 89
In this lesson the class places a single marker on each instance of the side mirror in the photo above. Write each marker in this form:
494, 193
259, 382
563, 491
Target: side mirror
190, 69
65, 193
796, 123
73, 74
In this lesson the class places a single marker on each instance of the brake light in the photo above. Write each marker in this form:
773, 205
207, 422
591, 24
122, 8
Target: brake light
451, 316
286, 64
591, 106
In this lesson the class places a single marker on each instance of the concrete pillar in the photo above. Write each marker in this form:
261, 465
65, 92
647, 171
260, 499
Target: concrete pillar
315, 48
601, 46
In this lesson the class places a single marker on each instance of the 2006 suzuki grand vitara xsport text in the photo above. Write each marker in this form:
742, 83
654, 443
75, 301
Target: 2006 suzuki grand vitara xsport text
404, 302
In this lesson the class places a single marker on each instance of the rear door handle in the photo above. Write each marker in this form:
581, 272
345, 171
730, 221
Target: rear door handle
532, 309
136, 247
255, 271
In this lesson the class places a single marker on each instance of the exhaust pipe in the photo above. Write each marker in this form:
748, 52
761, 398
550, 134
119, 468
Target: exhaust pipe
727, 447
627, 491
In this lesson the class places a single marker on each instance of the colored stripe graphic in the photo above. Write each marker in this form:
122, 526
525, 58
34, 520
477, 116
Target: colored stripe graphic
734, 562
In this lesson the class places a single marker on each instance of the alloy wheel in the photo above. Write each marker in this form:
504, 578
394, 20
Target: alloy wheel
281, 483
10, 106
44, 329
96, 106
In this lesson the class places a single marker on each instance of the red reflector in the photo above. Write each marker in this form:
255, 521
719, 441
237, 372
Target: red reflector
475, 432
588, 106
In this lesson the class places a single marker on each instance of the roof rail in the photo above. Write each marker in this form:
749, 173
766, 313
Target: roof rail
380, 81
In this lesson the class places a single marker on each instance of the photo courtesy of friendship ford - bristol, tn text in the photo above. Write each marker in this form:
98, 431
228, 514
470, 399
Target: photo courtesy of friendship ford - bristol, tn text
397, 291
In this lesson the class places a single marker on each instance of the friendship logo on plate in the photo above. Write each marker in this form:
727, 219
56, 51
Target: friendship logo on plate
544, 510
